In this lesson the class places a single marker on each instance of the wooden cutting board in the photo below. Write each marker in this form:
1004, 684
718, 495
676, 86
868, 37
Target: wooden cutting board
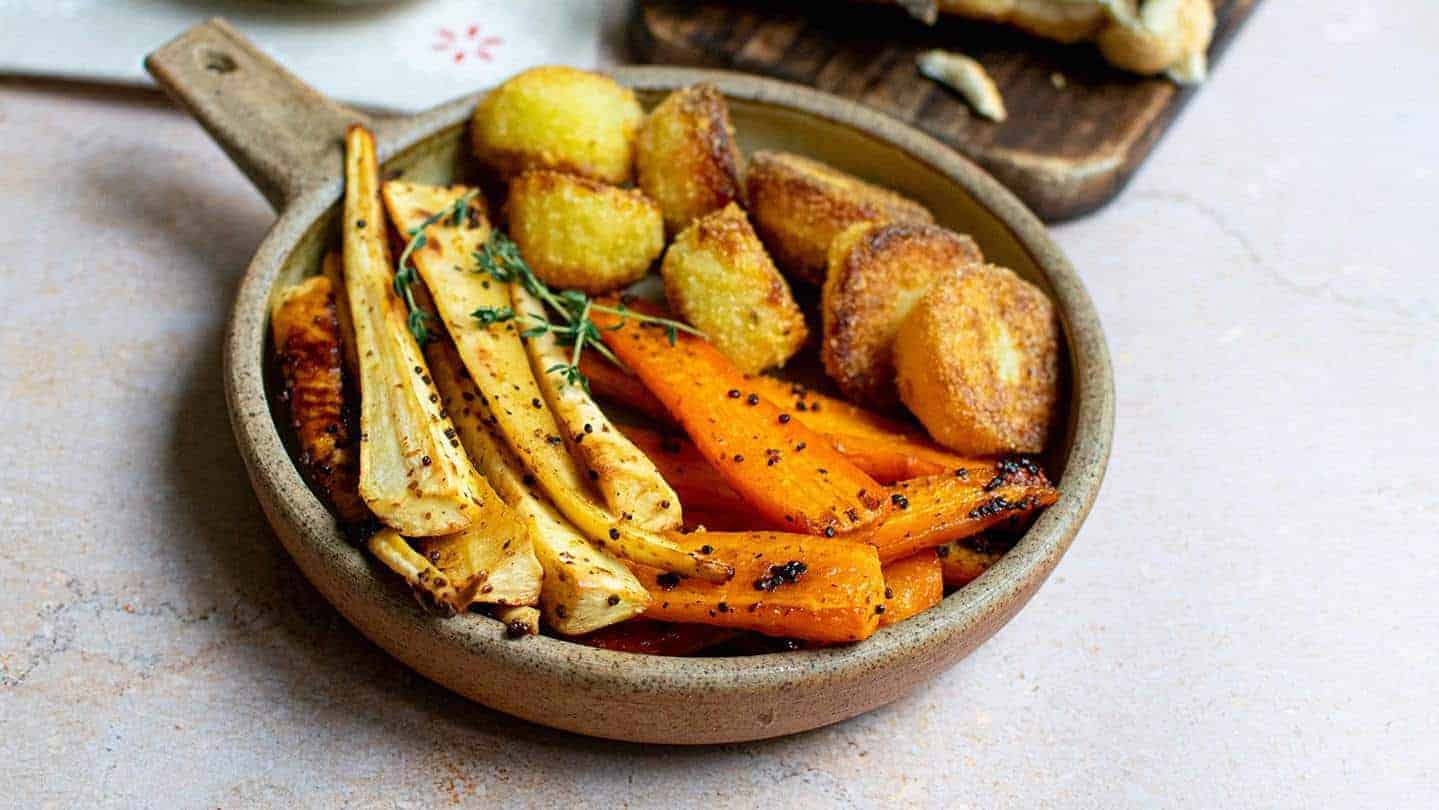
1077, 128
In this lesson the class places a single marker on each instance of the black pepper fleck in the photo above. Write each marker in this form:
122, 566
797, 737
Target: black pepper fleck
778, 575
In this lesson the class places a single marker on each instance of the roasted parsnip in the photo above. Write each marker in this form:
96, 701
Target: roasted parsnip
623, 474
585, 588
498, 364
519, 621
308, 341
491, 562
430, 586
411, 477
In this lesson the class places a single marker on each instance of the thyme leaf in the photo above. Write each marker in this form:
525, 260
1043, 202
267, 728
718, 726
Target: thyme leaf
500, 259
406, 276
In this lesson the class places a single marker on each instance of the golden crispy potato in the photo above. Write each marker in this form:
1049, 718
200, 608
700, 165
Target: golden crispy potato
559, 118
877, 273
800, 205
577, 233
978, 362
719, 278
686, 157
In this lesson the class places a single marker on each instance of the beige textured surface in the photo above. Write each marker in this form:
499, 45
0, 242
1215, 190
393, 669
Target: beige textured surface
1247, 620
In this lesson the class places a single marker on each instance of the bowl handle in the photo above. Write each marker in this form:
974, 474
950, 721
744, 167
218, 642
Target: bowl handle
281, 132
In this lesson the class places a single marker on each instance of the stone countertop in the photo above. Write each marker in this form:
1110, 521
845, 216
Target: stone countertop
1247, 619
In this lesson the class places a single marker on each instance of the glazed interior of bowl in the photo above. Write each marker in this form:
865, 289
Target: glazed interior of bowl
688, 700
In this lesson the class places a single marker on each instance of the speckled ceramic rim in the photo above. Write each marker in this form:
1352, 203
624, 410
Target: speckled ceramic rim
870, 673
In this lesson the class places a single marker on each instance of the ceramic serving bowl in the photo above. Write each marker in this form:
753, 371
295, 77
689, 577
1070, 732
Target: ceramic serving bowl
287, 138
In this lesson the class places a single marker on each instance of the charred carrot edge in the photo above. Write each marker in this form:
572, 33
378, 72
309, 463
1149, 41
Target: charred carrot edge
937, 510
911, 586
788, 585
929, 511
787, 472
885, 449
648, 637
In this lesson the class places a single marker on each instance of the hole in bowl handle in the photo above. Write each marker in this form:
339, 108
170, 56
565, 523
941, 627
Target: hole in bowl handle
282, 133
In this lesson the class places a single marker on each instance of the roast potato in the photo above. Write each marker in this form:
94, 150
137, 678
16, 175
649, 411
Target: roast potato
877, 272
977, 361
686, 157
800, 205
578, 233
719, 278
562, 118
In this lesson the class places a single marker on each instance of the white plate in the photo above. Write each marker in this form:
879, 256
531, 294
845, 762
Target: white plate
404, 57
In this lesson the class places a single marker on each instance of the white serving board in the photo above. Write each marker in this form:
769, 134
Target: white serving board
403, 56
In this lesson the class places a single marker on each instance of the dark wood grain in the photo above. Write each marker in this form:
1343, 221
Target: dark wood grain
1065, 150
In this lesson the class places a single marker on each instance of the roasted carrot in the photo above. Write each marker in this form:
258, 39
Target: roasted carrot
942, 508
790, 585
886, 449
962, 561
911, 586
657, 638
307, 332
699, 486
928, 512
612, 383
784, 470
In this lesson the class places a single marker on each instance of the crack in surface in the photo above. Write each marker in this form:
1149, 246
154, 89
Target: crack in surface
60, 624
1328, 288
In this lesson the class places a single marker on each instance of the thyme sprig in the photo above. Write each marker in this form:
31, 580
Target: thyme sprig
405, 274
500, 258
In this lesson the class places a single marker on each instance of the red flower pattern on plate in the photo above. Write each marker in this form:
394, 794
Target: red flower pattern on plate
463, 43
